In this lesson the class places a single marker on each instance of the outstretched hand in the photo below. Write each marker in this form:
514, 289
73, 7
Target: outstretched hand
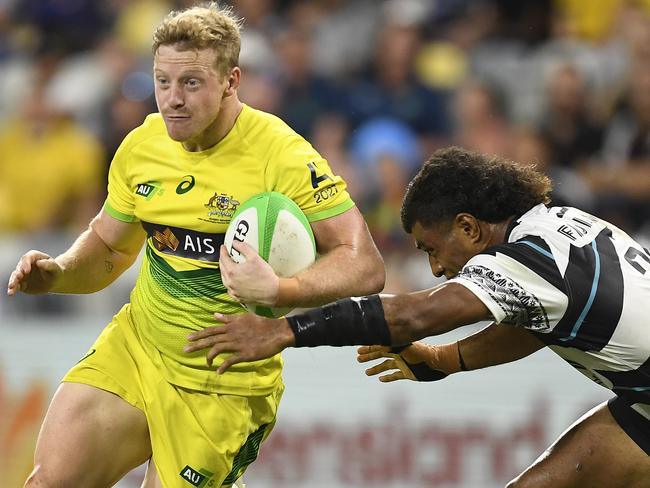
250, 281
415, 362
35, 273
247, 336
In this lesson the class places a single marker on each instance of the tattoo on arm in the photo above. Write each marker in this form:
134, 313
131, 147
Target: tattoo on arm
109, 266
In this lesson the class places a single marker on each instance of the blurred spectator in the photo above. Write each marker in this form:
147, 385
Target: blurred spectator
259, 87
260, 90
261, 23
589, 20
49, 170
330, 137
121, 115
529, 22
391, 89
480, 122
136, 21
387, 153
383, 136
64, 26
83, 83
507, 58
570, 128
633, 25
531, 147
344, 31
6, 41
305, 95
622, 182
516, 66
451, 29
259, 15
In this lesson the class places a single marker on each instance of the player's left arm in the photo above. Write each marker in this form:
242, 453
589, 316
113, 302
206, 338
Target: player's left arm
495, 344
349, 264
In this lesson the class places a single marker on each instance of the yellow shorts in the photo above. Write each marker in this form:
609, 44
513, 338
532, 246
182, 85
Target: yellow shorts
197, 439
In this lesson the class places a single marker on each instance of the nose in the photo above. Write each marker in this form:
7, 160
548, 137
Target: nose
436, 269
176, 96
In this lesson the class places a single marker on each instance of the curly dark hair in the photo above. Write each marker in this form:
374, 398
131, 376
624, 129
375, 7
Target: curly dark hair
455, 180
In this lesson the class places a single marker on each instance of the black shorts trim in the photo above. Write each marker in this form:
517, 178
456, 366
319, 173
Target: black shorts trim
633, 423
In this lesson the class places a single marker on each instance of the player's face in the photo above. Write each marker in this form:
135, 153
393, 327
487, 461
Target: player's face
190, 94
448, 247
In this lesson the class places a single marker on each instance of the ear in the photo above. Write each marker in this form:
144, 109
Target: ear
469, 226
233, 78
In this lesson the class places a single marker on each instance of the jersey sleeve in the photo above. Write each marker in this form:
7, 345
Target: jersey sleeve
120, 202
518, 285
297, 170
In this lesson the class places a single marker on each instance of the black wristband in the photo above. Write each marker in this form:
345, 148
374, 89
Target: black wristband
347, 322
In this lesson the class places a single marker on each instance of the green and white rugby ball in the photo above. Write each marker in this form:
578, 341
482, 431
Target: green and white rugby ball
273, 225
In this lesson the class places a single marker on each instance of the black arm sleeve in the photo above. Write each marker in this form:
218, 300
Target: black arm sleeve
347, 322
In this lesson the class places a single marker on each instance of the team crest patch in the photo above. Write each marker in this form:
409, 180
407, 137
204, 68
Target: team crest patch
200, 478
221, 208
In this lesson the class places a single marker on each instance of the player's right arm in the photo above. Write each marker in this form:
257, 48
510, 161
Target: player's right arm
386, 320
99, 255
493, 345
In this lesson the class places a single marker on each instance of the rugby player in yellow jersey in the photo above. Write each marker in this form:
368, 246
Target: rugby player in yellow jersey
173, 186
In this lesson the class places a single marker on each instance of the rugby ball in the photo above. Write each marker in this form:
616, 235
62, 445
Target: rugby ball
273, 225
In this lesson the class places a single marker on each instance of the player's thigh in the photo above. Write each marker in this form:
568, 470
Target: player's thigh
89, 438
215, 437
594, 452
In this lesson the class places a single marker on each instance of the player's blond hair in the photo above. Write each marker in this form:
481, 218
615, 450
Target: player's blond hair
202, 27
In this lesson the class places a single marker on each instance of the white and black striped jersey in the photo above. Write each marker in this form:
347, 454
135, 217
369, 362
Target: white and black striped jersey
582, 286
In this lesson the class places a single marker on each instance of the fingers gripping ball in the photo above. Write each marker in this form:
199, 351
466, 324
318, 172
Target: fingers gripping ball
276, 228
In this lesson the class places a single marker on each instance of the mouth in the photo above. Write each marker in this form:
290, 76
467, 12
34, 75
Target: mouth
176, 118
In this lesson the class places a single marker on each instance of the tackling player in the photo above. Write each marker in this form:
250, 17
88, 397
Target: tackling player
547, 276
174, 185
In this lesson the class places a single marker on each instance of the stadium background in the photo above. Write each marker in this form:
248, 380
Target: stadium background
375, 86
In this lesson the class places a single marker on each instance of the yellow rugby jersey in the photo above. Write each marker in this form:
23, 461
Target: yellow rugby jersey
185, 200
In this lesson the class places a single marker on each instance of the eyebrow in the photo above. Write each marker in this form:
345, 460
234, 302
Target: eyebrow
191, 72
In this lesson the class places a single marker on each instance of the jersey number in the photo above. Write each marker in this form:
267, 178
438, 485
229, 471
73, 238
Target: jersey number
325, 193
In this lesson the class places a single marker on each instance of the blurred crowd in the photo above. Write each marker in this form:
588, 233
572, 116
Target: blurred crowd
374, 85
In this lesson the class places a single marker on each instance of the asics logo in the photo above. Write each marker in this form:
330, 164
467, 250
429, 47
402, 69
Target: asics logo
185, 185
